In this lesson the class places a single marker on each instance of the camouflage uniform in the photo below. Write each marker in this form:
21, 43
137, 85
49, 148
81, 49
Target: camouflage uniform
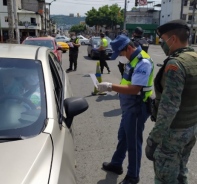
174, 145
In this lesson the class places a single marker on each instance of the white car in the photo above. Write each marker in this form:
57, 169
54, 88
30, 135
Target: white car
83, 40
62, 39
37, 110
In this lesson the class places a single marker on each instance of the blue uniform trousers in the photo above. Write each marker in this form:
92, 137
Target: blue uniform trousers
130, 138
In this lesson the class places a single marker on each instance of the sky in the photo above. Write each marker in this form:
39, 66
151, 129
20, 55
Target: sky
65, 7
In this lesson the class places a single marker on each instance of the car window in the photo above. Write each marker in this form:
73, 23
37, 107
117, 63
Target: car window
96, 41
57, 65
58, 87
45, 43
22, 98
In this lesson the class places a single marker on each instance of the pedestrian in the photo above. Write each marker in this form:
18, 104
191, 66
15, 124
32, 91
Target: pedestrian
102, 51
174, 135
138, 39
134, 89
73, 52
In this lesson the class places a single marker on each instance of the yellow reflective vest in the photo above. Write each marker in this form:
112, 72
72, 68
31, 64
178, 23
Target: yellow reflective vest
147, 90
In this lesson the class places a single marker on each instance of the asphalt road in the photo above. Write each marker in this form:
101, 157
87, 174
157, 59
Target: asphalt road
96, 129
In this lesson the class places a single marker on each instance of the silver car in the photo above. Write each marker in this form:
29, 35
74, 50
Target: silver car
37, 110
62, 39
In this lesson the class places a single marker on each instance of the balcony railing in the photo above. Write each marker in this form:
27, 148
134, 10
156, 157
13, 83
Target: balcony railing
26, 24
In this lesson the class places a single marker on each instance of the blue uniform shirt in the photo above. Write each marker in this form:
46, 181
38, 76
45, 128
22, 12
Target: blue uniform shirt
139, 77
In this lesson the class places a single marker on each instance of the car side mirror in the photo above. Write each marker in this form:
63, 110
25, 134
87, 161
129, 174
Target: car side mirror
59, 47
73, 107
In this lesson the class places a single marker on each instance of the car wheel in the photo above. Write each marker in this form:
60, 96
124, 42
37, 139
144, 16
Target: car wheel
92, 55
88, 55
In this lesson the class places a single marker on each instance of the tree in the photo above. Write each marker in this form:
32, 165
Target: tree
78, 28
105, 15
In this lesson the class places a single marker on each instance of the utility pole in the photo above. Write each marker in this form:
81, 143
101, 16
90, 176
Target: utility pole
45, 11
192, 22
181, 13
10, 21
125, 14
16, 22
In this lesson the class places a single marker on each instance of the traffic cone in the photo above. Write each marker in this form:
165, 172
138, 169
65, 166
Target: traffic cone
99, 78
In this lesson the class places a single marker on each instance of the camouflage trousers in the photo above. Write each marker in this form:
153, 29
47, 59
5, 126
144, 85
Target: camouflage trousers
171, 156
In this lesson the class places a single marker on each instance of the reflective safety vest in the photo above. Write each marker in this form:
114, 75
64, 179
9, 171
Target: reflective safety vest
104, 42
129, 69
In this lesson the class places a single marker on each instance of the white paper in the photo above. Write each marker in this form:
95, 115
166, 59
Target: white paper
70, 44
94, 79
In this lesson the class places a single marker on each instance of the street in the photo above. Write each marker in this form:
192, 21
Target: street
96, 129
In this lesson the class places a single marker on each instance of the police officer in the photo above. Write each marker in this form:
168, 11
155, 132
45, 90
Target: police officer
73, 52
174, 135
139, 40
102, 50
135, 88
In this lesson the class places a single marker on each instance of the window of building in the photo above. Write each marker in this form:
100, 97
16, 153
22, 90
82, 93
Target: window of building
191, 3
33, 21
184, 16
6, 19
185, 2
4, 2
190, 17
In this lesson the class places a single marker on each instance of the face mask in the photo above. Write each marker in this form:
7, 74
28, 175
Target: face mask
73, 37
123, 59
165, 47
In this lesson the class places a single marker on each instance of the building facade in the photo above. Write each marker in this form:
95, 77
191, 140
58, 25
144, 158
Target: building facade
170, 10
33, 19
146, 18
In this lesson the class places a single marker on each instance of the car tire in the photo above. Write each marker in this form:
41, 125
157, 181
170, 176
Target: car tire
88, 55
92, 55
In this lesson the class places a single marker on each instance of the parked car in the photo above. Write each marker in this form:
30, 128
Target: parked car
83, 40
46, 42
93, 46
64, 46
37, 109
62, 39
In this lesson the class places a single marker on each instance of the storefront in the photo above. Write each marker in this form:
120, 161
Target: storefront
149, 30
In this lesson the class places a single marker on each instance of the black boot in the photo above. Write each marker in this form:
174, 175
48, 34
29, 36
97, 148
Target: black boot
107, 166
68, 70
130, 180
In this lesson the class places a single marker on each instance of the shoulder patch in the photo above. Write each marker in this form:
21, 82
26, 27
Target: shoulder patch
171, 67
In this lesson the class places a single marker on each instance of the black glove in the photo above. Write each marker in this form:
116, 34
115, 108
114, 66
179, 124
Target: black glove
150, 149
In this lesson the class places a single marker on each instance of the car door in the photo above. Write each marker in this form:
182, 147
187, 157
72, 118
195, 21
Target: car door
63, 166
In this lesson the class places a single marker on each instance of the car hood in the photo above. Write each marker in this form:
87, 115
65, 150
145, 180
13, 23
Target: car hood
26, 161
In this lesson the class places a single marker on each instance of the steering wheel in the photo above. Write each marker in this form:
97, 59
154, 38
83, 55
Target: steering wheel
20, 99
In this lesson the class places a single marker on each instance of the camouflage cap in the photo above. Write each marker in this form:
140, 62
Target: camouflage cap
174, 24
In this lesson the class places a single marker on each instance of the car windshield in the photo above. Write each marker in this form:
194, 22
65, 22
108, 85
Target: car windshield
96, 41
22, 98
45, 43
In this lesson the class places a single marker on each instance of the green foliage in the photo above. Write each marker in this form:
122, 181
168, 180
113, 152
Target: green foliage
105, 15
78, 28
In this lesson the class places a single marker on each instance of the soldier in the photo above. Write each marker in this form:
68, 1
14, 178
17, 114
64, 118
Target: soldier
139, 40
174, 135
